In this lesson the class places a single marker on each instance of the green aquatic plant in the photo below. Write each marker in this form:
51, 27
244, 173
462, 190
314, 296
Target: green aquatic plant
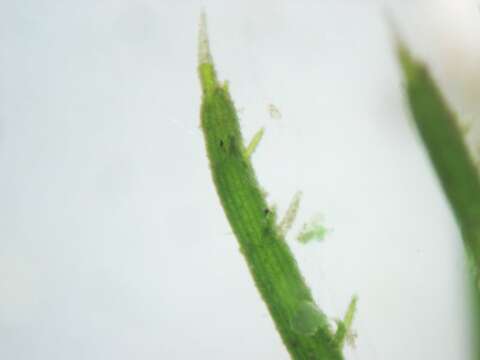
443, 137
444, 141
303, 327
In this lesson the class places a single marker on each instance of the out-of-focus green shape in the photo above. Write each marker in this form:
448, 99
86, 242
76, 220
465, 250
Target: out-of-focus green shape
312, 230
443, 138
303, 328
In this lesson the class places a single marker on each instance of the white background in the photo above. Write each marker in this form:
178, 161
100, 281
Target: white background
113, 244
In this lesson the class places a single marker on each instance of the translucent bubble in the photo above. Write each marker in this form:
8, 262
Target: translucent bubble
308, 319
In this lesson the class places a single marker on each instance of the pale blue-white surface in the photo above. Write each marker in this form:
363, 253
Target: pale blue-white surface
112, 241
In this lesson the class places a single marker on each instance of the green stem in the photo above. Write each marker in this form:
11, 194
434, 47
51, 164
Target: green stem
448, 152
302, 326
443, 139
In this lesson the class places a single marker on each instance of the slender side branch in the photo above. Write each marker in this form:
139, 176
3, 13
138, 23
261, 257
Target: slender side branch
344, 329
252, 146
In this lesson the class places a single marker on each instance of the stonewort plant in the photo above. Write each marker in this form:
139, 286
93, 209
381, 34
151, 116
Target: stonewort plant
442, 135
303, 327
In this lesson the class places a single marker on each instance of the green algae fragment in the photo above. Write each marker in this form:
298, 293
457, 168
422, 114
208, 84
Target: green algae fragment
313, 230
274, 112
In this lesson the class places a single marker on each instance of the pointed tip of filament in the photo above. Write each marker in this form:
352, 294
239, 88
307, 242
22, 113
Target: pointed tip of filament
407, 60
204, 56
393, 28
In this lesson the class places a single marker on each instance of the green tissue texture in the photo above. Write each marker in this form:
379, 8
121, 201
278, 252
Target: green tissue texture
269, 259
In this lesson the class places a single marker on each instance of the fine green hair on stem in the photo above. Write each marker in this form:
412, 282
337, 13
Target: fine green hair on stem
303, 327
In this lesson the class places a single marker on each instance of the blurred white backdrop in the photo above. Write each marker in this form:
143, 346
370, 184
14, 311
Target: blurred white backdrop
113, 242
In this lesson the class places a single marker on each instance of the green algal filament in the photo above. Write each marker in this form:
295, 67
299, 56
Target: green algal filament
270, 261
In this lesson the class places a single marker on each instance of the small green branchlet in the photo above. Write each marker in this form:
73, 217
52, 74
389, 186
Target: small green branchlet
291, 214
